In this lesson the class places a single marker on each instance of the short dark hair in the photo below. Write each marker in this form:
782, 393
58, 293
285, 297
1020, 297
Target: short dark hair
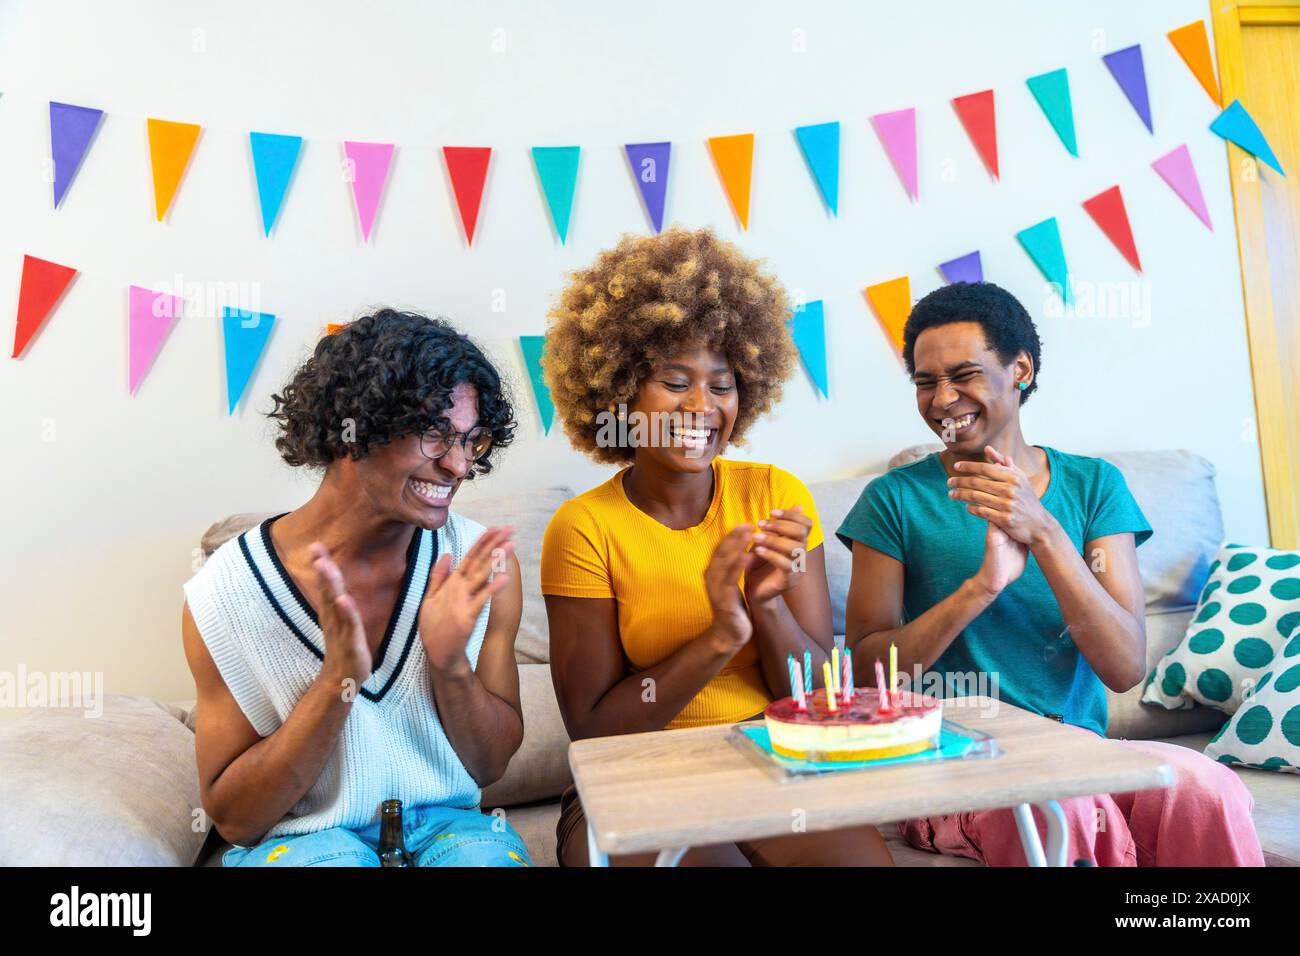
390, 374
1008, 329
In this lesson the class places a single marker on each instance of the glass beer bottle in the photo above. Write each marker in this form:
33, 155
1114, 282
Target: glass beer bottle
392, 848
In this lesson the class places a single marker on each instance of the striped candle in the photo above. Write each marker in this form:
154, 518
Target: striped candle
880, 687
796, 681
848, 677
807, 673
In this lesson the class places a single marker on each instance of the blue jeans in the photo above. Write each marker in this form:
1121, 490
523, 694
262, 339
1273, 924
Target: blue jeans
434, 836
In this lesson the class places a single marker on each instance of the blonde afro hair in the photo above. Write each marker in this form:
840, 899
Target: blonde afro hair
648, 299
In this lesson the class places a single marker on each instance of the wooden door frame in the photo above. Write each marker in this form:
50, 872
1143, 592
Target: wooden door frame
1281, 480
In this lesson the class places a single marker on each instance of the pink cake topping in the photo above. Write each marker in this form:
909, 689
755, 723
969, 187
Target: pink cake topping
863, 710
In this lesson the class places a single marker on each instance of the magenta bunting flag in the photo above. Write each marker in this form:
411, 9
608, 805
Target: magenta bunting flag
151, 316
1176, 169
897, 132
368, 166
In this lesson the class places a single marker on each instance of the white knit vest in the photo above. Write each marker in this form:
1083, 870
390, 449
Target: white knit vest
263, 637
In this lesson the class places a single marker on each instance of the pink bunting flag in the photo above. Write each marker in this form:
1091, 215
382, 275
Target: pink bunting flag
151, 316
1175, 168
368, 166
897, 132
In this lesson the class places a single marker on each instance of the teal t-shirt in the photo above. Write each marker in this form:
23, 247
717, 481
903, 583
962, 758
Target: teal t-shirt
1021, 637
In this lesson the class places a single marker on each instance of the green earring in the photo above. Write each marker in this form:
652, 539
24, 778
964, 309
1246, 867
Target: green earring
1022, 385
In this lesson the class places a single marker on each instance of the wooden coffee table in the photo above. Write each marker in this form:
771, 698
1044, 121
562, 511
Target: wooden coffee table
670, 790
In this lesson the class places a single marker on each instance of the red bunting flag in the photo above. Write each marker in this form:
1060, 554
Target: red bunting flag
1107, 210
42, 285
467, 166
979, 115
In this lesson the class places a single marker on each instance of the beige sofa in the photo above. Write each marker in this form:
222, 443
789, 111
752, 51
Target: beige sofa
1175, 489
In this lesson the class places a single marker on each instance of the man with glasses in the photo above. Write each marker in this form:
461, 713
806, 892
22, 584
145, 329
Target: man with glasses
361, 647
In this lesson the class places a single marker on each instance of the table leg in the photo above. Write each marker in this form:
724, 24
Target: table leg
594, 856
1029, 835
672, 856
1057, 841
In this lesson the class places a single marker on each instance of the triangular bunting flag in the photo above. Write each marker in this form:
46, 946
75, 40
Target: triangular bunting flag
808, 329
170, 147
71, 130
821, 148
1193, 45
897, 132
978, 114
245, 334
967, 268
151, 316
1107, 211
892, 301
649, 163
1126, 66
369, 164
1175, 168
1043, 243
274, 157
1052, 90
1236, 126
467, 166
43, 283
734, 157
557, 168
533, 346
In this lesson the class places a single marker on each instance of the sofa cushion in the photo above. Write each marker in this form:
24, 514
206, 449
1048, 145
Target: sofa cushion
1265, 730
118, 789
834, 500
527, 513
539, 770
1131, 718
1248, 610
1277, 797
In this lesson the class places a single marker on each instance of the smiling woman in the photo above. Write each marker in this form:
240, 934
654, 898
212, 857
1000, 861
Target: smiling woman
676, 591
360, 648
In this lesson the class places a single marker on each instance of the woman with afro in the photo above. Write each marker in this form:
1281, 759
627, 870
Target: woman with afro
676, 589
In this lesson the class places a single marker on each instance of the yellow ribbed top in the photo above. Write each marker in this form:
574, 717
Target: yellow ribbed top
600, 545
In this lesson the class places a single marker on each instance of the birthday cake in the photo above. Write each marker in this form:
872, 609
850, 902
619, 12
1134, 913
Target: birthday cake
858, 728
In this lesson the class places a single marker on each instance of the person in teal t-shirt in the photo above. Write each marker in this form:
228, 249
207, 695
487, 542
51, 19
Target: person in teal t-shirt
1010, 570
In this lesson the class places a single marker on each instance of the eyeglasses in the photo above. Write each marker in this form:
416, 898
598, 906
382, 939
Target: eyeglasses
475, 443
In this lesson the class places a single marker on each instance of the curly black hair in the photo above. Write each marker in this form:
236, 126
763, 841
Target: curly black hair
1008, 329
386, 375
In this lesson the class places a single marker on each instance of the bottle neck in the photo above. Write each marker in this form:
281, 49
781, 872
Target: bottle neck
390, 829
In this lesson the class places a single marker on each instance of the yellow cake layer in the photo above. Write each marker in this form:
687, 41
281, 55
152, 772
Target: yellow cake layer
880, 753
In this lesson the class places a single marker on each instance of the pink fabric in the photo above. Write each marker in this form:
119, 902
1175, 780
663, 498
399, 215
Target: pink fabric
1202, 819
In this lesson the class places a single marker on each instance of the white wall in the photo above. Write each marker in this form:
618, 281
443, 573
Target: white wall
101, 522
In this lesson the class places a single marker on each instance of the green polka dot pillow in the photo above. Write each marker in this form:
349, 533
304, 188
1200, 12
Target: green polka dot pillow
1265, 731
1248, 609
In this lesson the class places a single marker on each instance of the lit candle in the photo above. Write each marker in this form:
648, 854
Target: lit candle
880, 688
893, 673
830, 686
807, 673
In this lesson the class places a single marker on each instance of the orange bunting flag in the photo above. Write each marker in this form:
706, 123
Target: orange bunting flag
734, 156
1193, 45
170, 147
892, 302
